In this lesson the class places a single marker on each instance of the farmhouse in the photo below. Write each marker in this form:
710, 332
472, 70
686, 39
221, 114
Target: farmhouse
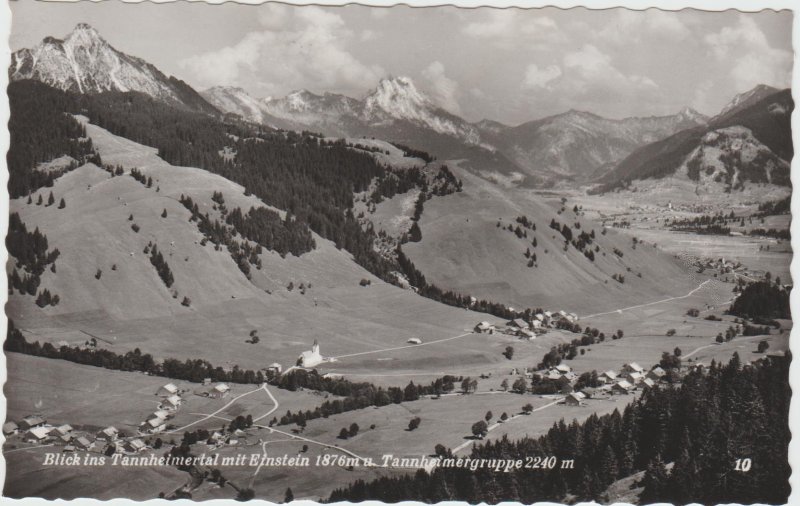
160, 414
310, 358
633, 377
108, 434
171, 403
83, 444
274, 369
68, 448
563, 368
648, 382
526, 334
621, 387
656, 374
608, 377
37, 435
63, 430
31, 421
591, 392
134, 446
519, 323
219, 391
484, 327
633, 367
414, 340
10, 428
167, 390
552, 374
574, 399
154, 425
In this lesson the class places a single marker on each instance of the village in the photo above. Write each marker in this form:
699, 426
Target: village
35, 430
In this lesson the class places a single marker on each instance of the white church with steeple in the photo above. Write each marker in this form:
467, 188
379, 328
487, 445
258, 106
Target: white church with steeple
310, 358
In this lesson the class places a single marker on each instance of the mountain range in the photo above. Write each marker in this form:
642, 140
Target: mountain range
576, 146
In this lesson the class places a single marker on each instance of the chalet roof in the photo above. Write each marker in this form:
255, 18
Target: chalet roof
519, 322
635, 367
136, 444
222, 387
173, 399
609, 374
160, 414
578, 396
34, 420
39, 432
109, 431
64, 429
624, 384
9, 427
82, 441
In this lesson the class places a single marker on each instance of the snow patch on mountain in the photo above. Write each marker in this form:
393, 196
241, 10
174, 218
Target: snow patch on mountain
84, 62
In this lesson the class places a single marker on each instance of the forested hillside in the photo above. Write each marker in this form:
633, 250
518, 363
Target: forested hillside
702, 427
40, 131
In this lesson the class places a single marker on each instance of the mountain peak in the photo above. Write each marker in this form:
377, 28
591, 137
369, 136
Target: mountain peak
85, 63
85, 35
689, 114
399, 98
746, 98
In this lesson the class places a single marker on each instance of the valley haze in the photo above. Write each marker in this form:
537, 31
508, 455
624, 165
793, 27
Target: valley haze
434, 254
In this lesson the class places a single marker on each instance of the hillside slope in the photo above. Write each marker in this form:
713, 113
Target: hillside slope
290, 301
464, 249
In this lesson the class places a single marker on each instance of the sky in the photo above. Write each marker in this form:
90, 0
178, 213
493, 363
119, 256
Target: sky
508, 65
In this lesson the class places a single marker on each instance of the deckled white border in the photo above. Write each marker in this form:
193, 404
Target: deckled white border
709, 5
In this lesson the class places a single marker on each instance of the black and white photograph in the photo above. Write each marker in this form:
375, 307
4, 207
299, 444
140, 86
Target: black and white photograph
354, 253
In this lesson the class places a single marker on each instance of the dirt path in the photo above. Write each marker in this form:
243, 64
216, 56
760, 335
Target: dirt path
402, 347
223, 408
498, 424
699, 287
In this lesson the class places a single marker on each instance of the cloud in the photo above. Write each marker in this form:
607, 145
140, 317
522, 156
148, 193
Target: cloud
745, 50
443, 90
590, 67
510, 28
540, 78
587, 78
629, 27
305, 47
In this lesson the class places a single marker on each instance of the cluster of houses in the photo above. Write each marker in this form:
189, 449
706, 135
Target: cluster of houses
630, 378
519, 327
34, 429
